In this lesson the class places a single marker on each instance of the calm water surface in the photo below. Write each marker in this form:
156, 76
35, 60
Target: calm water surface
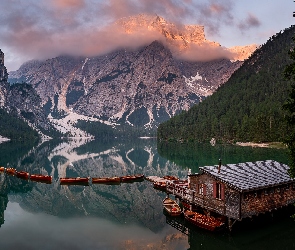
127, 216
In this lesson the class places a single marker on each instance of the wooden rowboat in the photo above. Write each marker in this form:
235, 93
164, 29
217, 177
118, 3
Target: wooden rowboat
171, 207
11, 171
22, 174
106, 180
170, 178
161, 185
201, 220
74, 181
41, 178
132, 178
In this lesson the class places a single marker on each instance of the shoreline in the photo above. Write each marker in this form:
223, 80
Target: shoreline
261, 145
3, 139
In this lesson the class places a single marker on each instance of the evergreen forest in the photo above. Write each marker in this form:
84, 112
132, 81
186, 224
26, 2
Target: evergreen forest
248, 107
16, 129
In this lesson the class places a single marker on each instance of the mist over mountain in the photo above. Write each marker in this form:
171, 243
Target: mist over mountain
137, 87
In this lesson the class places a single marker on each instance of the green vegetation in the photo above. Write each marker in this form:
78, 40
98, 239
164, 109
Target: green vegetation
246, 108
194, 155
289, 106
16, 129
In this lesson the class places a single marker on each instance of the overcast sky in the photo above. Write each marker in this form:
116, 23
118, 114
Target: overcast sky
40, 29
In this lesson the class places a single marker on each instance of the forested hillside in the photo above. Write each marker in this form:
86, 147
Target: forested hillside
246, 108
16, 129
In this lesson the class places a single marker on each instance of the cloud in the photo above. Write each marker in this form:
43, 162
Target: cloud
250, 22
44, 29
205, 52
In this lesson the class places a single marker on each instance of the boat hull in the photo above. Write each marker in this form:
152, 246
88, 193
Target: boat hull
107, 180
171, 207
22, 175
132, 178
41, 178
200, 220
10, 171
75, 181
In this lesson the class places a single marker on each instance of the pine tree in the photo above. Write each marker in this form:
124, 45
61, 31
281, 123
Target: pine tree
289, 106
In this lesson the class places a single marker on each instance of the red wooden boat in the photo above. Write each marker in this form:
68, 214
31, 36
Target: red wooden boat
41, 178
22, 174
74, 180
161, 185
201, 220
171, 207
132, 178
11, 171
106, 180
170, 178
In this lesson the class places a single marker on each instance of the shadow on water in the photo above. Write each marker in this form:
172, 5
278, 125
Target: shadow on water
268, 231
195, 155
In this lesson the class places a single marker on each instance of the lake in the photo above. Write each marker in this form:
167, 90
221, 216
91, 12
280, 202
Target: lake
127, 216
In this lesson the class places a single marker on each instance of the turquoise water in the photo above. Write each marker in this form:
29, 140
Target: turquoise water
127, 216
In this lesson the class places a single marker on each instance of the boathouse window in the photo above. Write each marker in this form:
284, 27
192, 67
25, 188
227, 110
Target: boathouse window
218, 190
202, 189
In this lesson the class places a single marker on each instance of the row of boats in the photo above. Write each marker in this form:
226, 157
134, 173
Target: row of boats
73, 180
204, 221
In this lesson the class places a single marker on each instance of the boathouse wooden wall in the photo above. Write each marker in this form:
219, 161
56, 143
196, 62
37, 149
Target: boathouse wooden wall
236, 204
228, 205
264, 200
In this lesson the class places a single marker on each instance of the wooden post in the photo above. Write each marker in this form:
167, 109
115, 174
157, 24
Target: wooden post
230, 224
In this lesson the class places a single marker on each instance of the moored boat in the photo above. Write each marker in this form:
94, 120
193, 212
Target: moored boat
204, 221
41, 178
132, 178
106, 180
22, 174
74, 180
161, 185
171, 207
170, 178
11, 171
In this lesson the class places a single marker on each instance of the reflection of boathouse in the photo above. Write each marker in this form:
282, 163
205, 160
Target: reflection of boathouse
238, 191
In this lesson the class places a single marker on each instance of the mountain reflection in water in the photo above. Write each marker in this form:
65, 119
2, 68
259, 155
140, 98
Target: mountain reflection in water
127, 216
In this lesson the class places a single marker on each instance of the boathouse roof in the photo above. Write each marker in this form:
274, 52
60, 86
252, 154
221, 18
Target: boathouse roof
250, 175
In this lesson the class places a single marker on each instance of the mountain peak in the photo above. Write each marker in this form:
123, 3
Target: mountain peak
188, 41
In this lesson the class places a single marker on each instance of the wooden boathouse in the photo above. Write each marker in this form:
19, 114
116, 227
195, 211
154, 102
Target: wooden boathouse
237, 191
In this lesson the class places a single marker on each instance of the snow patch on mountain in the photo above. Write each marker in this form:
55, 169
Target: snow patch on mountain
66, 125
191, 80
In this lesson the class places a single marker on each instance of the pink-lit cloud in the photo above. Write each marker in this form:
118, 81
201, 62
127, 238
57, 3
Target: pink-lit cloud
45, 29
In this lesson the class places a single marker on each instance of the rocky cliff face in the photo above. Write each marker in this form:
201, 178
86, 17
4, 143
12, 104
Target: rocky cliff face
22, 101
3, 80
142, 87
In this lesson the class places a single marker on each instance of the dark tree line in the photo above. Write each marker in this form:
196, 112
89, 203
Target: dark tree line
289, 106
16, 129
246, 108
